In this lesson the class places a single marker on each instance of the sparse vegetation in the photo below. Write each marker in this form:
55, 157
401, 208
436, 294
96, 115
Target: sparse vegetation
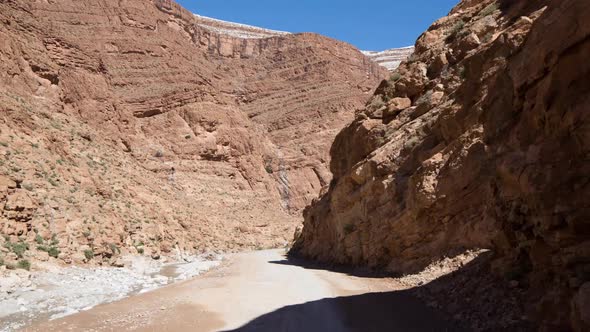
159, 154
458, 27
139, 247
376, 103
43, 248
17, 248
187, 136
268, 167
52, 182
89, 254
54, 240
395, 77
53, 252
24, 264
56, 125
489, 9
114, 249
4, 144
39, 239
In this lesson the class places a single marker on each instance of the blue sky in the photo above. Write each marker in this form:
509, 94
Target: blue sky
367, 24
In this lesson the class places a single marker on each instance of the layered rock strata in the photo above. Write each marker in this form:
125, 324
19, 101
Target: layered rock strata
129, 127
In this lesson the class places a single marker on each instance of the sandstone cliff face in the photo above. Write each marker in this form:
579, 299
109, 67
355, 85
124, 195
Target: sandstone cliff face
125, 126
480, 140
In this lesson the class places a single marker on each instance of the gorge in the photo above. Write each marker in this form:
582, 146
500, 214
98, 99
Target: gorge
458, 167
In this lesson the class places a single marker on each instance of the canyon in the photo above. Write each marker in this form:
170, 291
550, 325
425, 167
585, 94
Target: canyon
138, 127
453, 173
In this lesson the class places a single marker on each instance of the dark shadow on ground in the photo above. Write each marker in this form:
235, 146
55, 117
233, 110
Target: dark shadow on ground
362, 272
391, 311
471, 298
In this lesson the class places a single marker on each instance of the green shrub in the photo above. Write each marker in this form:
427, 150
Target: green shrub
376, 103
140, 251
268, 168
1, 261
54, 240
53, 252
489, 9
19, 248
39, 239
395, 77
24, 264
457, 28
114, 248
43, 248
4, 144
89, 254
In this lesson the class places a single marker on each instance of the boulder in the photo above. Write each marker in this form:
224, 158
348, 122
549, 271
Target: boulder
20, 206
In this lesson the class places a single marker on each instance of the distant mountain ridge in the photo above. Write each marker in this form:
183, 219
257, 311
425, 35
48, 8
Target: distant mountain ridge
389, 59
237, 30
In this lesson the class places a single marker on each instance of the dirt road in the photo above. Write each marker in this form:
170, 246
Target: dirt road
262, 291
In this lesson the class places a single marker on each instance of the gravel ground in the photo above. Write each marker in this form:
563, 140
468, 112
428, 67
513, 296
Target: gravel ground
57, 292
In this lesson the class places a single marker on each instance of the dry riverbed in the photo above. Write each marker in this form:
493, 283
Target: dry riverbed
263, 291
54, 292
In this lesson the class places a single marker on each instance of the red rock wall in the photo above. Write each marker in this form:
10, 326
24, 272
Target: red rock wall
479, 141
124, 124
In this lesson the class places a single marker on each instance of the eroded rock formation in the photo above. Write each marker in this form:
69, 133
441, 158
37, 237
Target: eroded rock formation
480, 140
132, 126
392, 58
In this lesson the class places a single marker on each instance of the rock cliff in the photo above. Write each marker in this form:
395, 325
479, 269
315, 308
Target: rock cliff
392, 58
133, 126
479, 140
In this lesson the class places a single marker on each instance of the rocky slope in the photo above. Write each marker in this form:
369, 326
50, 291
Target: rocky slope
480, 140
129, 126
